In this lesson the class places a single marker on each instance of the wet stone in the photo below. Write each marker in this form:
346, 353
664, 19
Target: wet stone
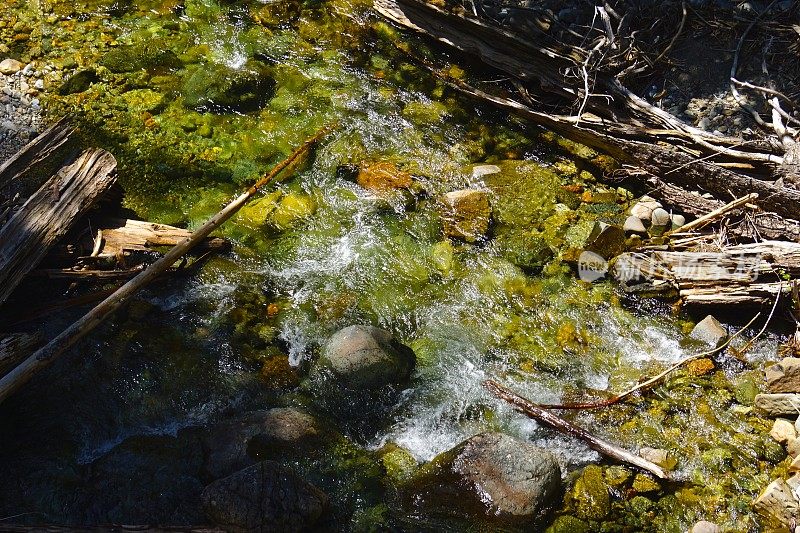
606, 240
489, 475
239, 442
784, 376
634, 224
710, 332
466, 214
264, 497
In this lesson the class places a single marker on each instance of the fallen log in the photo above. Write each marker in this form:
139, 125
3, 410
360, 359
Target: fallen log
57, 346
36, 151
116, 238
544, 416
15, 347
746, 274
49, 213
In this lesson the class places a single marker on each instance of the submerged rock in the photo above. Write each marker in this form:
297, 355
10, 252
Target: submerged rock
145, 54
466, 214
238, 443
489, 475
78, 82
222, 89
364, 358
264, 497
383, 177
784, 376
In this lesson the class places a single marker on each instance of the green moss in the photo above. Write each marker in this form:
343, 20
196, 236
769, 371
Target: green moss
143, 54
589, 496
291, 209
400, 465
568, 524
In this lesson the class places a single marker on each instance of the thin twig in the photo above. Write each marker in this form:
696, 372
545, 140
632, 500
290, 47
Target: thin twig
677, 34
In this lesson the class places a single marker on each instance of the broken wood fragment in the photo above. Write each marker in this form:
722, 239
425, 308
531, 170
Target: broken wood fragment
49, 213
544, 416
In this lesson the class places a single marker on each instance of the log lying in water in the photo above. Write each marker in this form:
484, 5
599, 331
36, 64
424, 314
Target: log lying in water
49, 213
745, 274
115, 241
15, 347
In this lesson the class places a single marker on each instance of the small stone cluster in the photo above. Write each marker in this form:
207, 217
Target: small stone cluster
779, 502
20, 110
648, 217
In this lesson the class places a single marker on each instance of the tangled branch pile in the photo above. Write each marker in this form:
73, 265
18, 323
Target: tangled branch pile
595, 72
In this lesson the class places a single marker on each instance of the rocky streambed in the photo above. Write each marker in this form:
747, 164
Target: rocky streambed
327, 374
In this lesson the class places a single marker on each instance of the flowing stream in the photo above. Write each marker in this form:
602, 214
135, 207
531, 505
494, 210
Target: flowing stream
93, 439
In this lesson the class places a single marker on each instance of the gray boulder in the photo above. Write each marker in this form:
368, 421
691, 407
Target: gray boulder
490, 475
660, 217
710, 331
264, 497
364, 358
635, 225
239, 442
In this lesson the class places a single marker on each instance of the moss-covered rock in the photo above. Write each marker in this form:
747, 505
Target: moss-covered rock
78, 82
143, 54
400, 465
221, 89
466, 214
589, 496
568, 524
291, 209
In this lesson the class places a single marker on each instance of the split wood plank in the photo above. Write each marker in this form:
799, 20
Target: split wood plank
49, 213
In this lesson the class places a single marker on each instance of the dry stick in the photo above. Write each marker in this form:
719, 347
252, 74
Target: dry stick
44, 356
546, 417
705, 219
674, 37
652, 381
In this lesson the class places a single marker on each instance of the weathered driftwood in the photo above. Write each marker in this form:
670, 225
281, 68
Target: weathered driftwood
121, 235
744, 274
45, 355
752, 224
49, 213
616, 121
532, 410
115, 238
15, 347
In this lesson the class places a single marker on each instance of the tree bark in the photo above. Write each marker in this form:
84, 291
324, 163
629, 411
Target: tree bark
15, 347
49, 213
35, 151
